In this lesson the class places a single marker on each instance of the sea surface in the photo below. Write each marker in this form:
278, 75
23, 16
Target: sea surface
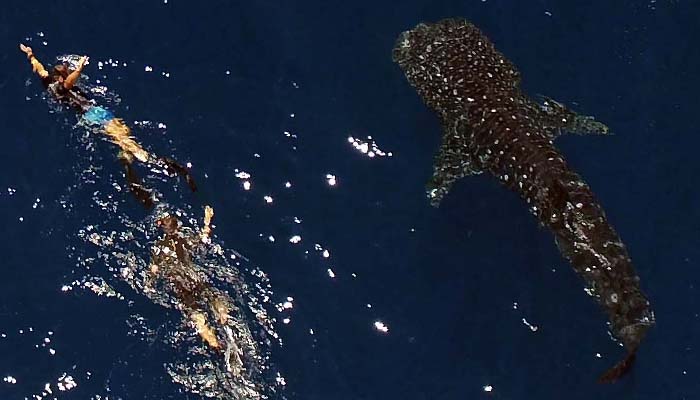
314, 151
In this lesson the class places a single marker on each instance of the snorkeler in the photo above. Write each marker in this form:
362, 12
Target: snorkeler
172, 266
61, 83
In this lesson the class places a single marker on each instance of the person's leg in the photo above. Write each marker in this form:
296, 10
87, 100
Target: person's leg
199, 320
219, 305
120, 134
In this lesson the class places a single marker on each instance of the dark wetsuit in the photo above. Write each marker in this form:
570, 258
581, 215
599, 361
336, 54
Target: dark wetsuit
75, 97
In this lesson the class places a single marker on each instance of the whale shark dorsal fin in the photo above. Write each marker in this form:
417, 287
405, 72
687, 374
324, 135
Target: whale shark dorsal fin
558, 119
452, 162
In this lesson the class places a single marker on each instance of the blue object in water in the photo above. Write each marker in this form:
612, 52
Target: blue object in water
97, 115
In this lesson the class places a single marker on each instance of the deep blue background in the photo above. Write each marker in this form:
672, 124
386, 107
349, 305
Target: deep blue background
446, 290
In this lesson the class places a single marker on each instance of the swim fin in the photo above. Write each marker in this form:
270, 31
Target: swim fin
180, 170
141, 193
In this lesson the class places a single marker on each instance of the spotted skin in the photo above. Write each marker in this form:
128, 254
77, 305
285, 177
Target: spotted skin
490, 125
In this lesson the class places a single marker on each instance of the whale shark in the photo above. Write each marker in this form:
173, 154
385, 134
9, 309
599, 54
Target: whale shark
490, 126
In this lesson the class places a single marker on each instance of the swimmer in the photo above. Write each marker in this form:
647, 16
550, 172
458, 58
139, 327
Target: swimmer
61, 83
172, 264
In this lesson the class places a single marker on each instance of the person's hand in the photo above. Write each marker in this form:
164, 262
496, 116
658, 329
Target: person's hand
83, 60
26, 49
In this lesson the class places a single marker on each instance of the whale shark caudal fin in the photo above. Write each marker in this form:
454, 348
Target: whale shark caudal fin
620, 369
490, 125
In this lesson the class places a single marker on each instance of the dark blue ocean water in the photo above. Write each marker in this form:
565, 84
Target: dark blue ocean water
444, 281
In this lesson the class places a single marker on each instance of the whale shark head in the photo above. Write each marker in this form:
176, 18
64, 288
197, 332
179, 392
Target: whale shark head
453, 65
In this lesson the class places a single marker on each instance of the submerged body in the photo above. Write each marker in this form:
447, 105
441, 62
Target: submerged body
172, 269
491, 126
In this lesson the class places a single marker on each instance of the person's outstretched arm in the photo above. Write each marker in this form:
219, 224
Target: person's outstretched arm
205, 234
73, 77
36, 65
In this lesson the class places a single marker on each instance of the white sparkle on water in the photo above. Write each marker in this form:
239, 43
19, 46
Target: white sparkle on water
529, 325
66, 382
368, 147
295, 239
381, 326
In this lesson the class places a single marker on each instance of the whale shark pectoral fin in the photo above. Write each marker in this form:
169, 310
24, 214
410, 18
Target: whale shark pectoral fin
450, 165
559, 119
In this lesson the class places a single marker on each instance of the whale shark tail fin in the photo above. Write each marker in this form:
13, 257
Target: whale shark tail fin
620, 369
